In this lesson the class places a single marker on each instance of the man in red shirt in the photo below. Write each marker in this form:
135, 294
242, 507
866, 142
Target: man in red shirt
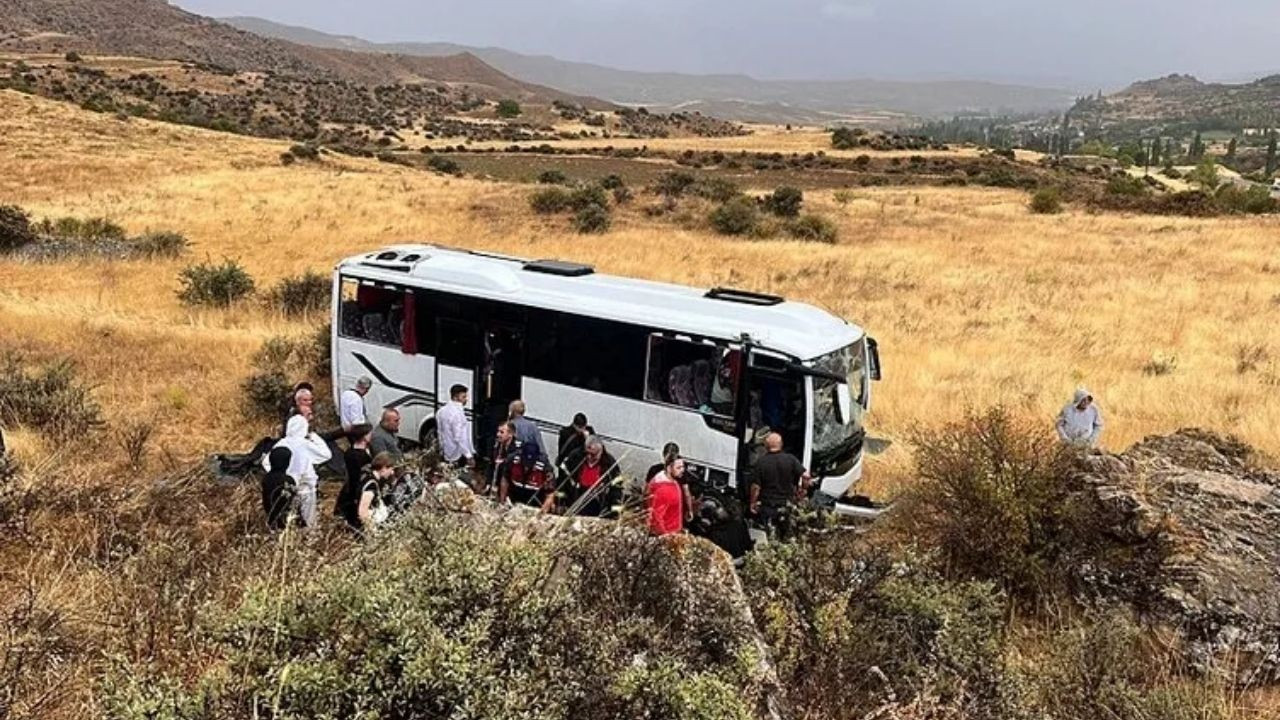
666, 499
594, 466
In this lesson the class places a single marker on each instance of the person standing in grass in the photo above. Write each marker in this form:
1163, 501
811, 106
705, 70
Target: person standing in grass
308, 450
454, 430
351, 409
1080, 422
386, 436
665, 499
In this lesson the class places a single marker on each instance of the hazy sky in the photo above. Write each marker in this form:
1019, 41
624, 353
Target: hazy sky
1077, 42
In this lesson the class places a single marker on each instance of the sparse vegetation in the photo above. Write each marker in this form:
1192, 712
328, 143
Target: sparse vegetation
1046, 201
813, 227
207, 284
47, 396
550, 200
15, 228
302, 295
552, 177
592, 219
736, 217
444, 165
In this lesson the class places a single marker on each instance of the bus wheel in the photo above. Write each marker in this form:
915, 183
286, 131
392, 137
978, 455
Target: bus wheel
428, 438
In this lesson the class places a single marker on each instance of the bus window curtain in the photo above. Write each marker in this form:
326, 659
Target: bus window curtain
409, 334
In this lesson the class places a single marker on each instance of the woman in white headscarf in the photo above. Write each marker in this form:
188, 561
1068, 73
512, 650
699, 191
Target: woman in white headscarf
308, 451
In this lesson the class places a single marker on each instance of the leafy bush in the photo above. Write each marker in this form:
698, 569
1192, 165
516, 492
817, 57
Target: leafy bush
444, 165
550, 200
843, 138
1126, 185
86, 231
674, 184
263, 391
785, 202
852, 630
592, 219
552, 177
278, 365
588, 195
72, 57
48, 397
813, 227
995, 498
449, 617
1046, 201
213, 285
622, 195
301, 295
15, 228
714, 189
736, 217
162, 244
612, 182
508, 109
1256, 200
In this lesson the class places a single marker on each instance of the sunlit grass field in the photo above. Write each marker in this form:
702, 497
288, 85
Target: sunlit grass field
1171, 322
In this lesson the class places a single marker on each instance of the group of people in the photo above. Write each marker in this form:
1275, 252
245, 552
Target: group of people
518, 470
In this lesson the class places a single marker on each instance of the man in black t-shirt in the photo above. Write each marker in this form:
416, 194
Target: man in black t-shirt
779, 478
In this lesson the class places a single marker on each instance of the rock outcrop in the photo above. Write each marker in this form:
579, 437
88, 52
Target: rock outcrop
1199, 517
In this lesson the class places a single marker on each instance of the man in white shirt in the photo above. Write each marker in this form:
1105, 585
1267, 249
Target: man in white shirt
455, 430
1080, 422
351, 405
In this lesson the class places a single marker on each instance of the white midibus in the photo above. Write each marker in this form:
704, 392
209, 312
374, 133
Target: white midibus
646, 362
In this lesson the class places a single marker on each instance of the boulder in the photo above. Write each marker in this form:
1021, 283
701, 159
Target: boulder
1199, 514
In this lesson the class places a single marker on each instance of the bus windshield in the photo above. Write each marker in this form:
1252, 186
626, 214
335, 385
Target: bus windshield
835, 437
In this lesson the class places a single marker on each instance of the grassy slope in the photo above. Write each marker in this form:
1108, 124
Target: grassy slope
974, 299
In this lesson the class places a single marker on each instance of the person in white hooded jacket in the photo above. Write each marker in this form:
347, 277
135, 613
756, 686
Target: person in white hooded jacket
1080, 422
308, 450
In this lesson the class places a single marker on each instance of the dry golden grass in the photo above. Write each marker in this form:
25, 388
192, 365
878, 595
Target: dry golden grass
974, 300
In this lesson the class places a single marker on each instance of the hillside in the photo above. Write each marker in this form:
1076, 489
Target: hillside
1183, 99
733, 96
156, 29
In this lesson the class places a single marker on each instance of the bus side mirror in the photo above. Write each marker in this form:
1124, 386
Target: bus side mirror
873, 357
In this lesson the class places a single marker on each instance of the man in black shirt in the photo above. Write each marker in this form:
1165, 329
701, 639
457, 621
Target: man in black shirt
779, 478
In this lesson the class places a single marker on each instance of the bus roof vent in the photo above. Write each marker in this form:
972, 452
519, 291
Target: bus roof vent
559, 267
745, 297
387, 256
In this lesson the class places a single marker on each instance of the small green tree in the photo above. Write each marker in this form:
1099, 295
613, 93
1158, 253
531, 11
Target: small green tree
1230, 158
1169, 152
508, 109
1197, 148
1153, 156
1206, 174
1271, 155
1046, 201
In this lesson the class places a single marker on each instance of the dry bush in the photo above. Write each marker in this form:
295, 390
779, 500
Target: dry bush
736, 217
995, 497
49, 397
162, 244
15, 228
592, 219
299, 296
1046, 201
207, 284
281, 363
447, 615
133, 439
549, 200
814, 228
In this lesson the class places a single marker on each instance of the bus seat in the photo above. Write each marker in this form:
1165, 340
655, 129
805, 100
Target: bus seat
680, 386
702, 382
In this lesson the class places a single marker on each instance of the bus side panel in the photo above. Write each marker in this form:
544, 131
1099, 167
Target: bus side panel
633, 431
404, 382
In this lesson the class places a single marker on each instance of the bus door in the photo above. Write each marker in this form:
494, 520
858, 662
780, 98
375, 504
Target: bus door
458, 357
773, 402
501, 376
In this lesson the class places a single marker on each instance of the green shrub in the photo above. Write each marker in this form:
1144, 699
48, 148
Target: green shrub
305, 152
89, 230
72, 57
1126, 185
508, 109
592, 219
15, 228
843, 138
1046, 201
449, 617
552, 177
612, 182
550, 200
1255, 200
588, 195
301, 295
48, 397
714, 189
736, 217
207, 284
163, 244
852, 628
785, 202
674, 184
444, 165
995, 497
622, 195
815, 228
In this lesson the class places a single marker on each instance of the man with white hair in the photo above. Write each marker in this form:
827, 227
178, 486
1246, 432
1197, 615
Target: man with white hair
351, 410
1080, 422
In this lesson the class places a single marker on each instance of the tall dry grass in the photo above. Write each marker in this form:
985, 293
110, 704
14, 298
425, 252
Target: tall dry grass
975, 300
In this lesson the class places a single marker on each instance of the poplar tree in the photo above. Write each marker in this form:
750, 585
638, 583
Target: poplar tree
1271, 154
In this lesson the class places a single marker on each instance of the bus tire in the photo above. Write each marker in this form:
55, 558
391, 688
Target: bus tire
428, 437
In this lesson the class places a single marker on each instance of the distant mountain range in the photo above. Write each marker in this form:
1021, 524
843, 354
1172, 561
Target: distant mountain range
736, 96
1185, 100
156, 29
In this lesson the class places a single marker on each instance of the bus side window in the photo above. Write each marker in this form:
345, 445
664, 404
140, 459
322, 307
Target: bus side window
373, 314
690, 375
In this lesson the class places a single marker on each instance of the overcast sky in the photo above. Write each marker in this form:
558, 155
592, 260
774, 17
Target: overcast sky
1081, 43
